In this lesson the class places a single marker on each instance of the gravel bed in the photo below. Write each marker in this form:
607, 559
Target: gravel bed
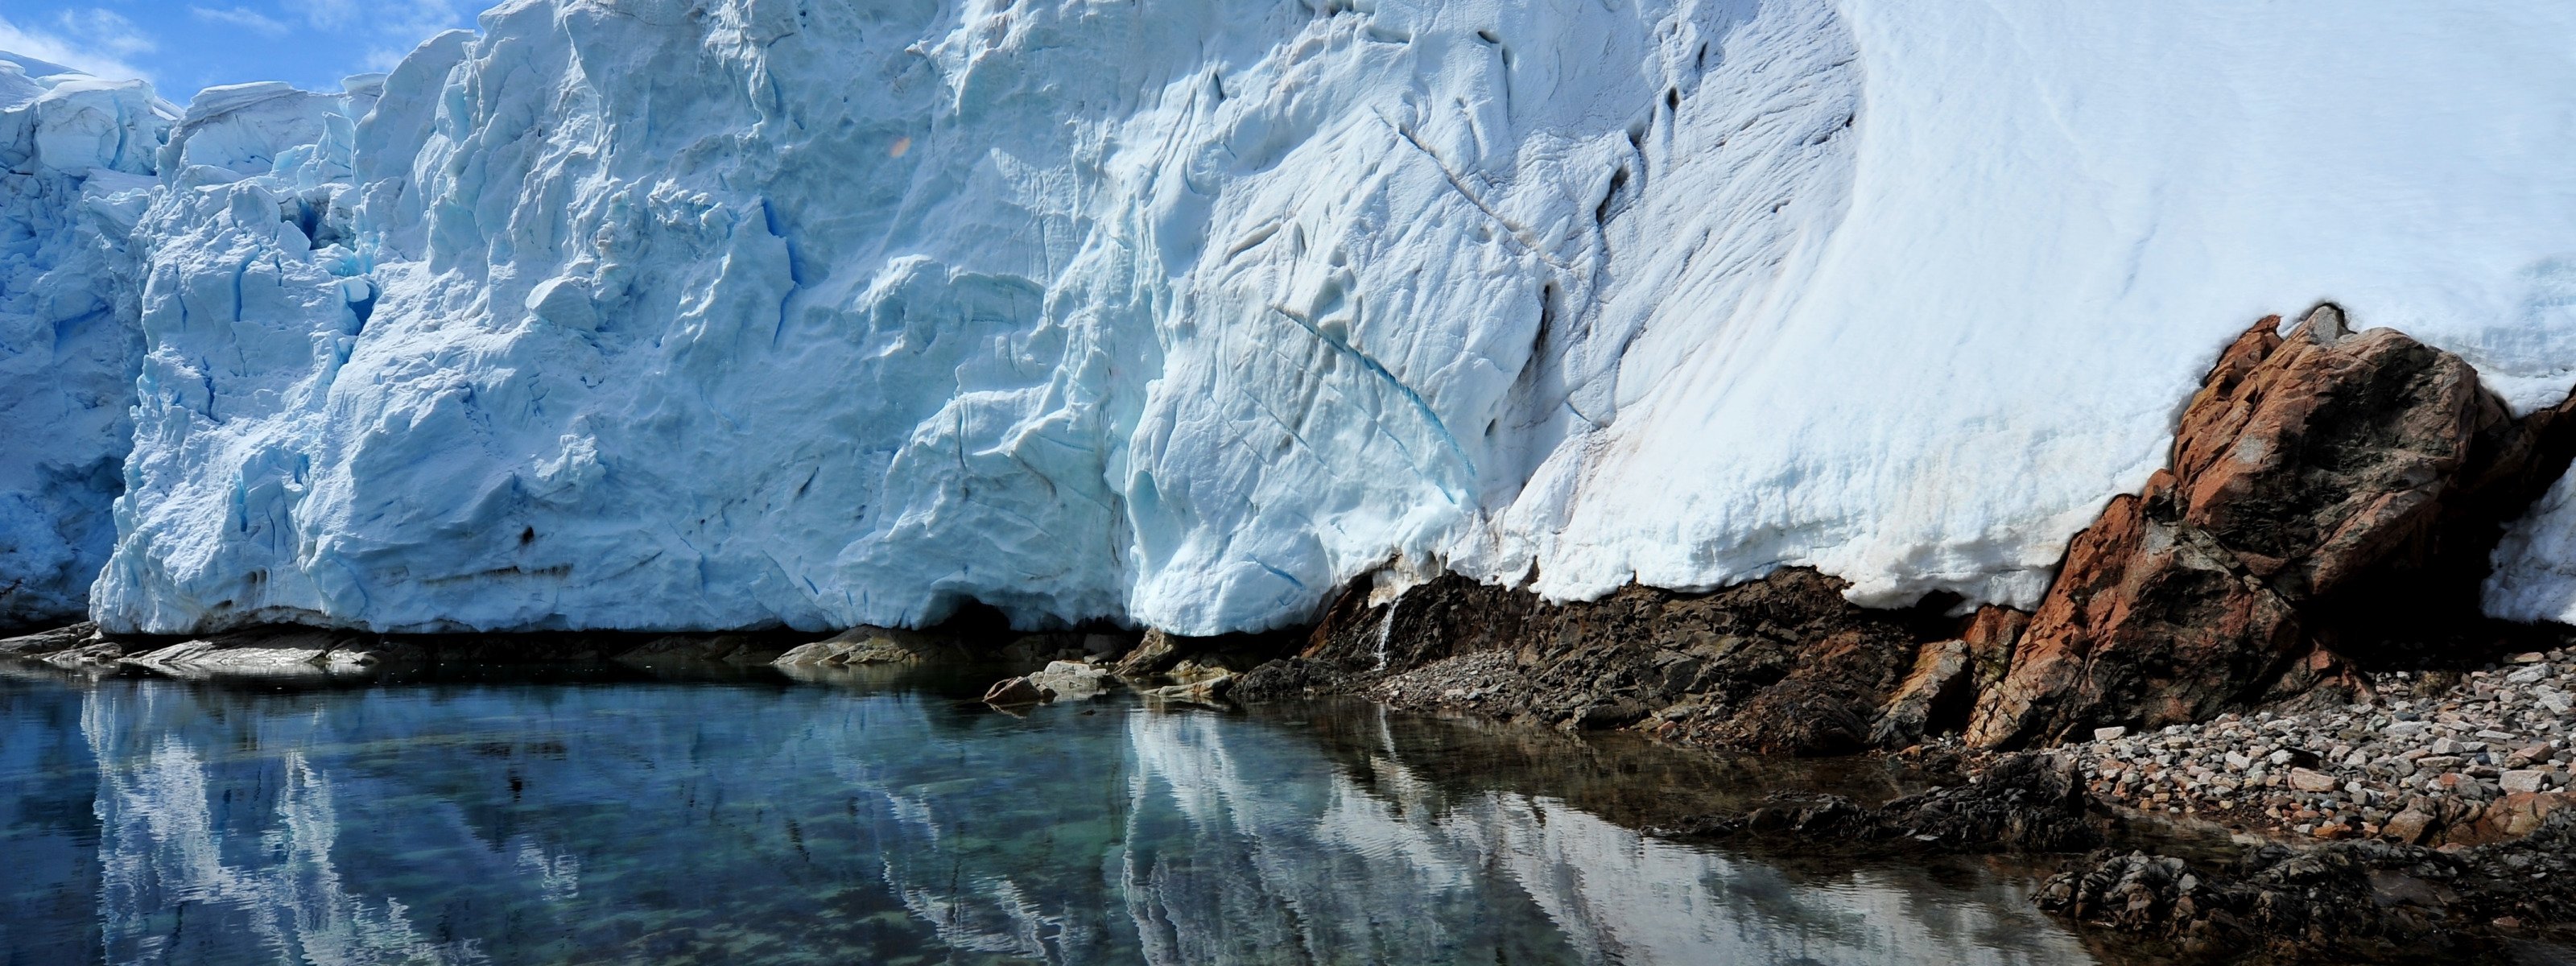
2353, 770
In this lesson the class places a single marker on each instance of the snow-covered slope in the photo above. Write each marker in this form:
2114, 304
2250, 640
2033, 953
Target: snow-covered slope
691, 314
73, 153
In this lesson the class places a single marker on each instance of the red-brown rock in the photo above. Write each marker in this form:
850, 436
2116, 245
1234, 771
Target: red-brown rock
2322, 485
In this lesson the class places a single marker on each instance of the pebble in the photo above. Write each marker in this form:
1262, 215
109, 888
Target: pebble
2349, 770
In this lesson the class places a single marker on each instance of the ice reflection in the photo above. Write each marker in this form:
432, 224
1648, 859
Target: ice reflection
1398, 868
242, 845
661, 823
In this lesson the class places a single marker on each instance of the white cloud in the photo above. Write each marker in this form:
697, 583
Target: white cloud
326, 14
243, 17
107, 31
405, 20
76, 49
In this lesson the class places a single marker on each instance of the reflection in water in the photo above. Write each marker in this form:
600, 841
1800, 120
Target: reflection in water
166, 822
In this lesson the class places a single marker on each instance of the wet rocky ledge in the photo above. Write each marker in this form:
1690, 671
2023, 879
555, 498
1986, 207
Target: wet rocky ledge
2258, 714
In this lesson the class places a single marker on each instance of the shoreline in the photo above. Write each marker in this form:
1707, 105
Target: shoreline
2182, 876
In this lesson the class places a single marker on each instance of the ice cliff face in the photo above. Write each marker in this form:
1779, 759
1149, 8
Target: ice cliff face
73, 155
706, 314
661, 315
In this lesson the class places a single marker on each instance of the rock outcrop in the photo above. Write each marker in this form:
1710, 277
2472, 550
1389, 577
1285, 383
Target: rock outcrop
2332, 497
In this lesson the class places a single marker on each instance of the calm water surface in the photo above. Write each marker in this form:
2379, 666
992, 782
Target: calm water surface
608, 817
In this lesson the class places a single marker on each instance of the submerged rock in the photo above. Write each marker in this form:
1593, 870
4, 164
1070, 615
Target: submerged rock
281, 652
1014, 692
1202, 691
871, 645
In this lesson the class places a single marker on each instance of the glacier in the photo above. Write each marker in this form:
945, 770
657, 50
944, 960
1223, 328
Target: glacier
75, 152
695, 314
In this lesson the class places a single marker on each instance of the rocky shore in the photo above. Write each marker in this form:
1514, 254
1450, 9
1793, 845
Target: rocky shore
2430, 758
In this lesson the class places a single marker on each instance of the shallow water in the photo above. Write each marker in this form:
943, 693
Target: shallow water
606, 817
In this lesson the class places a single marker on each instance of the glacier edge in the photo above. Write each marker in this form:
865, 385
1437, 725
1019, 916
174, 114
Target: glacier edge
738, 313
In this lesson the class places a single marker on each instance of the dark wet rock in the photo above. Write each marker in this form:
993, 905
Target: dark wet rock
2361, 900
1289, 679
2344, 901
734, 649
1779, 665
2028, 802
2021, 803
2331, 494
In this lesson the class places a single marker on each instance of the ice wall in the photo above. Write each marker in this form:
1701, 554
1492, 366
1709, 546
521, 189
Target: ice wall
667, 314
74, 153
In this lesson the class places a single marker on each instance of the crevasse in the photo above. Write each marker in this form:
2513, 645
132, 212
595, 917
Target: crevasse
732, 313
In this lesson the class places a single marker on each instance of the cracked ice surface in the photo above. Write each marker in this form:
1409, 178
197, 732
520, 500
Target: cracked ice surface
668, 314
73, 152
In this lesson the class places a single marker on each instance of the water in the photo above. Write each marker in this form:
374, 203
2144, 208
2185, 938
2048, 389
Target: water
608, 817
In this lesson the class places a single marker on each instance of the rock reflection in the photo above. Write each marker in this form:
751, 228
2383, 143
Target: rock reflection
666, 823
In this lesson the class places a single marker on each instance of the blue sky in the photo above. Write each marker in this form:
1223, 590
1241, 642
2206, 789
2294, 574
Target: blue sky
183, 45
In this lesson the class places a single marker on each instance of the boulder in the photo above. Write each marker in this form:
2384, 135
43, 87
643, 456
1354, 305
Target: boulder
1071, 680
2304, 780
2409, 827
1156, 653
2328, 491
2512, 816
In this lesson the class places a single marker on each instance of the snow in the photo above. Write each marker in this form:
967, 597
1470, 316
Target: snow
72, 152
2535, 564
746, 312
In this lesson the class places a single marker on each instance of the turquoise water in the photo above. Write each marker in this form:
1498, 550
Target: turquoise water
608, 817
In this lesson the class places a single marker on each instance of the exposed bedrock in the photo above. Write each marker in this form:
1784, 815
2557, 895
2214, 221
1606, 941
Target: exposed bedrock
2332, 501
2330, 507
